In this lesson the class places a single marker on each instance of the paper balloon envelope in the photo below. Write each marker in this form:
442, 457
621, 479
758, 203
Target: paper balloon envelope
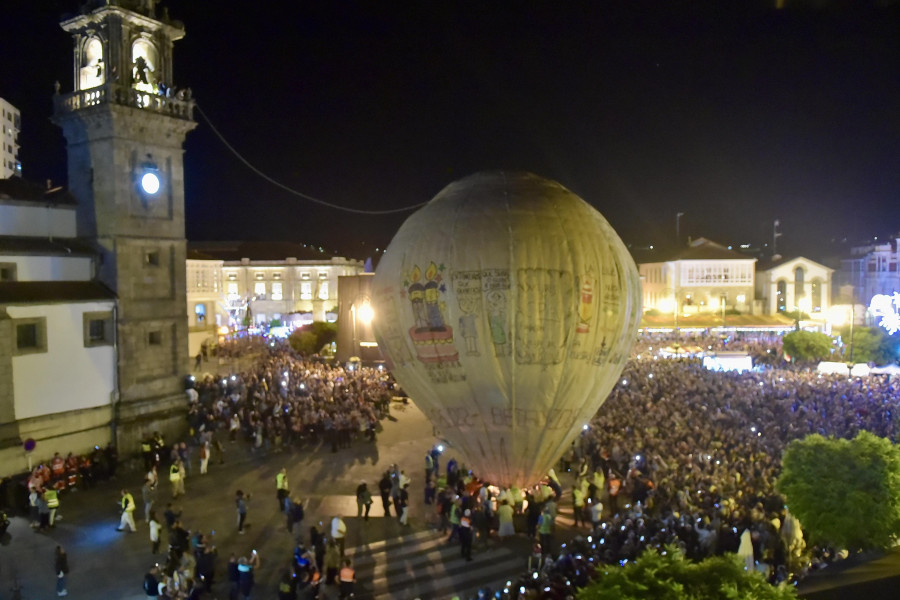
506, 308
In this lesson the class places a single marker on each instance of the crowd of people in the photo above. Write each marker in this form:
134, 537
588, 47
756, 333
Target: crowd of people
287, 401
676, 455
690, 457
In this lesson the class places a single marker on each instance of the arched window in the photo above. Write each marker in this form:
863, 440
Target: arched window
781, 295
798, 283
144, 66
93, 71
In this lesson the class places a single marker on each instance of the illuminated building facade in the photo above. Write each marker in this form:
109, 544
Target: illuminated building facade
57, 331
786, 285
870, 270
704, 277
10, 125
206, 309
274, 281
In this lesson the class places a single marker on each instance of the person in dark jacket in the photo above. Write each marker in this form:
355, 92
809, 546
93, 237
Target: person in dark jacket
62, 569
206, 566
384, 488
151, 582
234, 578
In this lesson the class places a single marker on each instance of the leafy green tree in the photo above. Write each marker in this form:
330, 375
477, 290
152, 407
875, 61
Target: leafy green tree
668, 575
807, 346
309, 339
871, 344
846, 493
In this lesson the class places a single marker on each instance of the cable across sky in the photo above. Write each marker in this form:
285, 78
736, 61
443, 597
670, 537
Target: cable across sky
291, 190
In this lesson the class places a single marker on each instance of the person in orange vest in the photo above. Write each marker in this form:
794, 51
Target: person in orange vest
348, 579
71, 471
615, 484
57, 466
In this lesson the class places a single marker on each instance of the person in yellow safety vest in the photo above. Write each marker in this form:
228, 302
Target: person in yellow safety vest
176, 476
51, 496
578, 505
347, 578
515, 499
282, 488
127, 512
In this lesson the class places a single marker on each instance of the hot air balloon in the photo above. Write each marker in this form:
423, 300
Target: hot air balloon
506, 308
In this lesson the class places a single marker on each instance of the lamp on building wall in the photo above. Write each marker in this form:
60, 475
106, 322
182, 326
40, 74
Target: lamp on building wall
361, 315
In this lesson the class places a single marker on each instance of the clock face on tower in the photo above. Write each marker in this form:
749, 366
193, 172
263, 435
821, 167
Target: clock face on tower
150, 183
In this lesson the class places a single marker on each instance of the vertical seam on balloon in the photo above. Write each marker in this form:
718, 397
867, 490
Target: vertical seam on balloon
569, 337
511, 310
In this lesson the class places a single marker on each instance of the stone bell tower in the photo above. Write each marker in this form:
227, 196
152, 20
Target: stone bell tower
125, 125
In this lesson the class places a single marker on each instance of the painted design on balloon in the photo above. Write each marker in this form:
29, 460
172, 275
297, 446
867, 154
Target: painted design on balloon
432, 337
467, 288
543, 315
585, 304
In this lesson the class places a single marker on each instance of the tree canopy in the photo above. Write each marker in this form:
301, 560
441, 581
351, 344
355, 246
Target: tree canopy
871, 344
846, 493
668, 575
806, 346
309, 339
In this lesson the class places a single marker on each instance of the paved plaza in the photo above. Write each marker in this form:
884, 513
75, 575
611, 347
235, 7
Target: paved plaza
105, 563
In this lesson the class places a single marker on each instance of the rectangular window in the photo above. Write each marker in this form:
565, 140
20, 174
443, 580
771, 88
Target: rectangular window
323, 290
276, 275
31, 335
7, 271
232, 288
154, 338
232, 277
306, 290
259, 290
151, 258
260, 276
276, 291
98, 329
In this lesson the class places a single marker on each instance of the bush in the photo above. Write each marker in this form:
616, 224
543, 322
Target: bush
309, 339
668, 575
845, 493
806, 346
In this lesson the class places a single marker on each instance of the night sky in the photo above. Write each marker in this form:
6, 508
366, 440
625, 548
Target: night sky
734, 113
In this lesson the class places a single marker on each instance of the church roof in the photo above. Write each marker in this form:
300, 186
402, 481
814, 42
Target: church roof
778, 260
55, 292
700, 249
16, 188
